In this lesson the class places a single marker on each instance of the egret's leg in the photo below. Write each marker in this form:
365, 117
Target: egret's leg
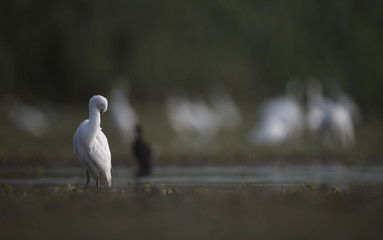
97, 183
87, 181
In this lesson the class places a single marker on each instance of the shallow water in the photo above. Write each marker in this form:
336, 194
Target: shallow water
266, 177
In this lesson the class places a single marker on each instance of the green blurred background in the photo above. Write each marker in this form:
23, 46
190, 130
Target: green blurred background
65, 51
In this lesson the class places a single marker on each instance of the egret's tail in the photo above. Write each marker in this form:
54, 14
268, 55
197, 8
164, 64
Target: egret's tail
106, 180
109, 179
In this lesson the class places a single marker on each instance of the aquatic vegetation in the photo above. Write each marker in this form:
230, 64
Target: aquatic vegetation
148, 188
116, 191
6, 190
156, 190
169, 191
72, 188
201, 190
313, 189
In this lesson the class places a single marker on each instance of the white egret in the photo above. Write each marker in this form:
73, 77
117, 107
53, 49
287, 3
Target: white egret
91, 145
123, 114
345, 100
26, 117
331, 121
281, 119
205, 120
179, 113
225, 108
192, 119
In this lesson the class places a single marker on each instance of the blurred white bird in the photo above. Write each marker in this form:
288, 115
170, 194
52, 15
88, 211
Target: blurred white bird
91, 145
123, 114
205, 120
330, 121
225, 108
281, 120
316, 105
27, 118
192, 120
342, 98
179, 113
346, 101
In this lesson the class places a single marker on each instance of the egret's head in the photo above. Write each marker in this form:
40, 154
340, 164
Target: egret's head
99, 102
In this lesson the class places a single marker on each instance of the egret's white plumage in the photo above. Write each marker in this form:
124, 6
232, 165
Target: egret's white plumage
281, 119
205, 120
331, 121
179, 113
26, 117
91, 145
192, 118
123, 114
225, 108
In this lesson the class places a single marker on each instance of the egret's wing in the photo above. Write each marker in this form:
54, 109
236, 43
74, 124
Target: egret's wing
76, 139
99, 154
75, 143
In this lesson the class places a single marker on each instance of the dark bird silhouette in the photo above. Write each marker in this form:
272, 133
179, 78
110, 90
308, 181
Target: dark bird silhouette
143, 154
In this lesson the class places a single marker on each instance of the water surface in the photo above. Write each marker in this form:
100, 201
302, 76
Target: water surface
269, 177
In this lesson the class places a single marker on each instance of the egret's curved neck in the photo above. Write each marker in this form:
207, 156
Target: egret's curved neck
94, 118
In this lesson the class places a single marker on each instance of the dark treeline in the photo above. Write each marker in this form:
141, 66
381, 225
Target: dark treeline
66, 50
